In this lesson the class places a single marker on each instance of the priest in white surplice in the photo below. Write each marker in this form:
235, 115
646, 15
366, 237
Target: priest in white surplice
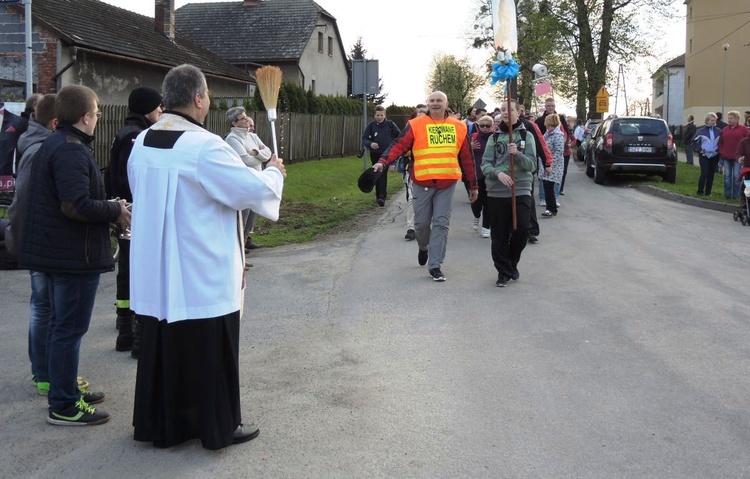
187, 266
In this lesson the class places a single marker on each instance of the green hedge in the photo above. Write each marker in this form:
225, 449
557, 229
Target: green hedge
293, 98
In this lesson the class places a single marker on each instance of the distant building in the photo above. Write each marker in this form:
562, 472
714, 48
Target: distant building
104, 47
710, 25
298, 36
668, 85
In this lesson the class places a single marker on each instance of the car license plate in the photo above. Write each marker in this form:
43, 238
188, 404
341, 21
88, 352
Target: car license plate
640, 149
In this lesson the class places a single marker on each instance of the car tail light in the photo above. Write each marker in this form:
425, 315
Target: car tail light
608, 141
670, 142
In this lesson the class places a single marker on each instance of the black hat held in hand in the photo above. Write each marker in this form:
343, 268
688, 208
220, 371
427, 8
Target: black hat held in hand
368, 179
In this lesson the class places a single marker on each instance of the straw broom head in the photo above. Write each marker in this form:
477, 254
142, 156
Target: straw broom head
269, 83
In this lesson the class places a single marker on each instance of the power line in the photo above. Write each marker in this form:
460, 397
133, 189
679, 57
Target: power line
707, 18
720, 39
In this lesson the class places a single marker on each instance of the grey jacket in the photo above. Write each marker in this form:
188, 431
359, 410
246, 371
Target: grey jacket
28, 144
496, 160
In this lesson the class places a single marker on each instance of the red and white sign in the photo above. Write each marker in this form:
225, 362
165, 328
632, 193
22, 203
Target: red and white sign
544, 88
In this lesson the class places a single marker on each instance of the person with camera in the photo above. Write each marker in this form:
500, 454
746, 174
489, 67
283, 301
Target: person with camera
377, 137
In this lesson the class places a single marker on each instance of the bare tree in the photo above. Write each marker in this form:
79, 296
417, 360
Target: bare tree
587, 37
457, 78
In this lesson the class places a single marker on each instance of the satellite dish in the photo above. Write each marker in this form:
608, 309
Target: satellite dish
539, 70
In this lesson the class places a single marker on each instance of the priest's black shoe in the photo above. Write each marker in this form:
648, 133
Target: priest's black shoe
245, 433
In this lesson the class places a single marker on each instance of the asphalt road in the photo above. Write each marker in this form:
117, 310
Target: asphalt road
622, 352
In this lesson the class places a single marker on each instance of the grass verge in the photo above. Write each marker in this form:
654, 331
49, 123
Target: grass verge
687, 183
319, 195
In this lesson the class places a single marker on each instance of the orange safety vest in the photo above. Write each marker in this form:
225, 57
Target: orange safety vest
436, 146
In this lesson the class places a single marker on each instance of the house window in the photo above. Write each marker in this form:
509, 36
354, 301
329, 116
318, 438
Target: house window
312, 86
691, 45
320, 42
330, 46
688, 81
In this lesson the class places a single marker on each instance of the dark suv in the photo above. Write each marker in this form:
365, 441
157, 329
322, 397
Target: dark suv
632, 144
588, 130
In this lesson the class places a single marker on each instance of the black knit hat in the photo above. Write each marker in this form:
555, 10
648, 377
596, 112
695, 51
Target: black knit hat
144, 100
368, 179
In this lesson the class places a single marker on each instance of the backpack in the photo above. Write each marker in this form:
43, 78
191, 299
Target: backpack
523, 134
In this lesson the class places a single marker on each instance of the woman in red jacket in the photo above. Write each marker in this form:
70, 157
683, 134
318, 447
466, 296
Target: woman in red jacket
730, 138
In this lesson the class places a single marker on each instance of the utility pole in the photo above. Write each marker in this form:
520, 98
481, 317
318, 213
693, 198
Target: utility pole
724, 80
29, 51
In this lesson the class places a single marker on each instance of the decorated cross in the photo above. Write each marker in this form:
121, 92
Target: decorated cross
506, 40
505, 69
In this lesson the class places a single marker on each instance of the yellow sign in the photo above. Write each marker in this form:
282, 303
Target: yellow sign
602, 101
602, 105
442, 135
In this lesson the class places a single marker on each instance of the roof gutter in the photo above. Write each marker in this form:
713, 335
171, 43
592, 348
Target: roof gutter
156, 64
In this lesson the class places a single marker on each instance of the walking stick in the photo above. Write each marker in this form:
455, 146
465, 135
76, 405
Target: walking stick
505, 69
512, 165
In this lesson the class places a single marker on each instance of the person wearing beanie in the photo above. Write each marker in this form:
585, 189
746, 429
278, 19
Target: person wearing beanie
144, 105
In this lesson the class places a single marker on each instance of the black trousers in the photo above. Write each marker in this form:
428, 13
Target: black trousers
507, 243
381, 187
566, 160
123, 279
533, 223
481, 204
549, 192
708, 169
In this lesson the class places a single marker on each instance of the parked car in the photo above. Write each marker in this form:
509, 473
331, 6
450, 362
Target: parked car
588, 128
632, 144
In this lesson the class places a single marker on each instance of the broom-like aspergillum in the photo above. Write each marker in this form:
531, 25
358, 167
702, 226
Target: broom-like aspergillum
269, 83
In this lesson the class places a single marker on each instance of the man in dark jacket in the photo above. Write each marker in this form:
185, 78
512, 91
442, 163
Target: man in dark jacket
687, 139
377, 137
39, 129
144, 105
66, 236
23, 124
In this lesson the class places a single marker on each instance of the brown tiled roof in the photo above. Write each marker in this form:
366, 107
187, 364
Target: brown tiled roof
102, 27
273, 30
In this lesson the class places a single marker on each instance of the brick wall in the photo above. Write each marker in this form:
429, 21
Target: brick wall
13, 51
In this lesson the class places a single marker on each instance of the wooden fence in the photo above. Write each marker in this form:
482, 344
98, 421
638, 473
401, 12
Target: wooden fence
300, 136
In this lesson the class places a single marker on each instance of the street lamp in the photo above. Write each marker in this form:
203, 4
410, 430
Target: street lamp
724, 81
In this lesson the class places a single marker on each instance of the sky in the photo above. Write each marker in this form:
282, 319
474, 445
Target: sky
405, 35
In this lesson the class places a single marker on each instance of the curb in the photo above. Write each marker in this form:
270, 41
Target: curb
687, 200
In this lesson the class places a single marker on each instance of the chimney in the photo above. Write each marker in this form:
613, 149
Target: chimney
164, 18
250, 3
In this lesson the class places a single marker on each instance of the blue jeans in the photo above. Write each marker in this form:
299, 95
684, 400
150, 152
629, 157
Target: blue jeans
72, 302
731, 175
41, 316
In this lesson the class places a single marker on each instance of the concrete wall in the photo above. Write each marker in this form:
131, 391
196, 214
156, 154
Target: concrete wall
328, 71
674, 86
710, 24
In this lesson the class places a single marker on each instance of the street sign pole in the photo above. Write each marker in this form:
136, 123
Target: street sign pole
29, 52
364, 108
364, 81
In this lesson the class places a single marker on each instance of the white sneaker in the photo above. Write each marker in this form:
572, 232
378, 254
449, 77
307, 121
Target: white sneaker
485, 232
558, 203
542, 203
475, 225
